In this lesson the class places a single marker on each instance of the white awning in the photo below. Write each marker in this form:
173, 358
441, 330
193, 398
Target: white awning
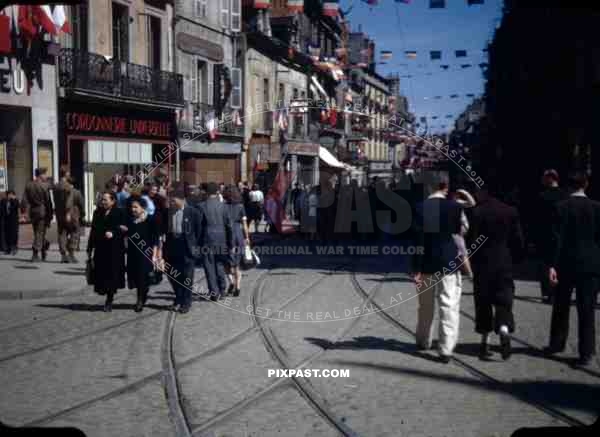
329, 159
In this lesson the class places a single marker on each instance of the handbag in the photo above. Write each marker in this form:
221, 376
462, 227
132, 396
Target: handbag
155, 277
89, 271
250, 259
248, 254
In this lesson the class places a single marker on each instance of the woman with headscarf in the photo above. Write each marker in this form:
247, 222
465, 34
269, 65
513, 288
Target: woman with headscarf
143, 248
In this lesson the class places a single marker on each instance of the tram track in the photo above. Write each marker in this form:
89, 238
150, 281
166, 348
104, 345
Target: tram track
167, 375
301, 384
487, 379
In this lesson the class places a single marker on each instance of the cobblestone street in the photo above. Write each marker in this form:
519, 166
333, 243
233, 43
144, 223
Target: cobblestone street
65, 362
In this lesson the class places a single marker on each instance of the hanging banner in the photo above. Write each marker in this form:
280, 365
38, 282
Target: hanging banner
262, 4
411, 54
386, 55
331, 8
296, 6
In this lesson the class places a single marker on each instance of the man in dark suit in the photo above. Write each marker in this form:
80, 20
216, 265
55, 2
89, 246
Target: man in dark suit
216, 241
547, 201
495, 241
181, 249
436, 268
575, 264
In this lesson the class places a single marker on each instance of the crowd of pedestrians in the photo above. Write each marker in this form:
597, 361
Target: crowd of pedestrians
136, 232
568, 245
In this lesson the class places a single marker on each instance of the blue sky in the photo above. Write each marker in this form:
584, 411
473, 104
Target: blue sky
399, 27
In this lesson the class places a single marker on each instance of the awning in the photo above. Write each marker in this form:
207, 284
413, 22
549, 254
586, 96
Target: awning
329, 159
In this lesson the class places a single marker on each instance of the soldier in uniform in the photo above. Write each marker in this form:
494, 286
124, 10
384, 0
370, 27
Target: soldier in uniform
69, 206
39, 204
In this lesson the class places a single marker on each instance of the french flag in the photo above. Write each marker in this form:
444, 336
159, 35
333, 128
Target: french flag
331, 8
60, 19
274, 201
43, 15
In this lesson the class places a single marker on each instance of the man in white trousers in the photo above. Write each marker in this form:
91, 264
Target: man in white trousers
436, 268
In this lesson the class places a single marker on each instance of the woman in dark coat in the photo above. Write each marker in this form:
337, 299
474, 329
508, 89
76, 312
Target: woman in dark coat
107, 244
240, 238
9, 219
142, 251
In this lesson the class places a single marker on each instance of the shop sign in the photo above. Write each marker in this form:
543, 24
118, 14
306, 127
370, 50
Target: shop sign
118, 123
12, 80
303, 149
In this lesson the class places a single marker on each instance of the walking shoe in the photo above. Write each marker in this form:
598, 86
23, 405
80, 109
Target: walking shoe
230, 289
139, 307
64, 259
484, 352
175, 308
551, 350
583, 362
108, 307
72, 259
445, 359
44, 255
184, 310
506, 350
236, 293
35, 257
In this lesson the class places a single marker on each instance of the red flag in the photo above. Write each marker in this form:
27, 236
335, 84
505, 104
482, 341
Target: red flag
26, 26
274, 199
333, 117
5, 40
43, 15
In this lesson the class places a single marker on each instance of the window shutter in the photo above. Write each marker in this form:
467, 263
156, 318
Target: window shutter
194, 80
209, 76
187, 90
225, 14
236, 15
217, 88
236, 88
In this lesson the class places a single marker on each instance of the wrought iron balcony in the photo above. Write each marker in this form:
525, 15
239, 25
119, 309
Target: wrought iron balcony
93, 73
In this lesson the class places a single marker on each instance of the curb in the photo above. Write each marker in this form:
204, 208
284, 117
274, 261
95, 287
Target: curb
16, 295
42, 294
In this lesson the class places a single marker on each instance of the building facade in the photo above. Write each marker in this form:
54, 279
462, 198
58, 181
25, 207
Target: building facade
209, 55
117, 93
28, 112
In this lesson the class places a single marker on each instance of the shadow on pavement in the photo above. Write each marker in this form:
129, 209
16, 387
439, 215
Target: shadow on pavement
372, 343
69, 272
577, 396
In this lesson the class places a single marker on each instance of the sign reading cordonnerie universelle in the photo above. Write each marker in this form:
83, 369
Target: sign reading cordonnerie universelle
105, 121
